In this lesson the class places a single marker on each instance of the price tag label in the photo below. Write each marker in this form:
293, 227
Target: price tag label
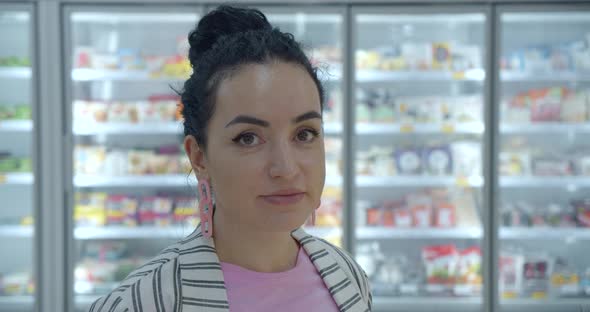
448, 128
463, 182
406, 128
2, 179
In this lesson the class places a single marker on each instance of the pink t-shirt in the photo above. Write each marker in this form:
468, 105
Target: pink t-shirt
298, 289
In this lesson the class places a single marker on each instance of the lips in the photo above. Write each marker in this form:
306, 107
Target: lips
284, 197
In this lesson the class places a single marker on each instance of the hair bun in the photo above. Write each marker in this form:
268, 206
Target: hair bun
223, 21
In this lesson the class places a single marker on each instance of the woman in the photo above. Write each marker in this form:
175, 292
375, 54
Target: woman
253, 134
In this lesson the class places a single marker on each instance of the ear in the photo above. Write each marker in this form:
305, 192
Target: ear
196, 155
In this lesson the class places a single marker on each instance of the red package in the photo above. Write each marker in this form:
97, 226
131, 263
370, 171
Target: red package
402, 217
373, 216
441, 264
582, 208
421, 208
444, 215
388, 218
546, 104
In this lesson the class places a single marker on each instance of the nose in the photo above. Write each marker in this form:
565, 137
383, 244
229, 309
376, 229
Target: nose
283, 162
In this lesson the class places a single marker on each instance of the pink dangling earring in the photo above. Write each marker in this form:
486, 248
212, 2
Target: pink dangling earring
205, 208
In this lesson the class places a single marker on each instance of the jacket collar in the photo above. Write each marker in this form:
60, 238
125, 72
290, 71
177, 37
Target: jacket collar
335, 279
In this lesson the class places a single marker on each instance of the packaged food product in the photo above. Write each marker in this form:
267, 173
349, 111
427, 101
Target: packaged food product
23, 112
121, 210
374, 216
441, 267
186, 211
574, 107
464, 108
465, 57
402, 216
438, 160
138, 161
389, 275
89, 159
585, 282
583, 165
467, 158
14, 284
408, 161
418, 56
565, 281
515, 162
582, 208
536, 273
116, 162
546, 104
83, 57
510, 279
148, 112
441, 52
557, 165
155, 210
89, 209
119, 112
130, 59
420, 206
469, 275
7, 163
104, 61
444, 214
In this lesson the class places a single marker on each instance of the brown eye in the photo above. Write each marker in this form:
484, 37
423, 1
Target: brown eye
247, 139
307, 135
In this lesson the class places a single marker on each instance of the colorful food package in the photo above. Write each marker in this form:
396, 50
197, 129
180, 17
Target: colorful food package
382, 164
418, 56
88, 112
130, 59
515, 163
546, 104
582, 210
186, 211
374, 216
104, 61
421, 208
408, 161
444, 214
516, 110
89, 209
469, 279
438, 160
465, 57
119, 112
121, 210
441, 55
148, 112
138, 161
467, 158
565, 281
17, 284
511, 265
83, 57
536, 274
466, 212
155, 210
89, 159
402, 216
464, 108
441, 267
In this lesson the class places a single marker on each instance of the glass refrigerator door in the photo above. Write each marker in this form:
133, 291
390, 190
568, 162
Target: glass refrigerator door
321, 33
544, 160
17, 285
419, 106
133, 194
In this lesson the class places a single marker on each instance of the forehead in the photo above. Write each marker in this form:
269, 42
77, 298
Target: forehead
274, 89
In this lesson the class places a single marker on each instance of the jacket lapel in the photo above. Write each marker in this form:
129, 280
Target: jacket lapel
340, 285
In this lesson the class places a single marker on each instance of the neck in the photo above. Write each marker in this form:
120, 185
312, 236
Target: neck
253, 249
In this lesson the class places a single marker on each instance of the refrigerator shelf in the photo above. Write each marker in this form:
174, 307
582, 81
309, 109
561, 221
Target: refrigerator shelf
129, 128
444, 128
376, 76
569, 182
549, 233
507, 76
171, 232
172, 180
418, 181
16, 125
549, 304
426, 303
172, 128
87, 74
16, 303
16, 231
545, 128
418, 233
15, 72
132, 18
16, 178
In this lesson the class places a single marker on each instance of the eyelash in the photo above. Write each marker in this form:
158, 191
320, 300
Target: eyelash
313, 132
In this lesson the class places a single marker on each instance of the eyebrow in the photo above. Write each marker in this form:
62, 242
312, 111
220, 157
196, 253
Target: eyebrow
263, 123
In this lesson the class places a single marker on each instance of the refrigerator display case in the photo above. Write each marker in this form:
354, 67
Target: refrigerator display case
17, 271
543, 167
419, 126
132, 191
321, 32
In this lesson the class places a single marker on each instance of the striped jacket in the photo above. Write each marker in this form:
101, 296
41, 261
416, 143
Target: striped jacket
187, 277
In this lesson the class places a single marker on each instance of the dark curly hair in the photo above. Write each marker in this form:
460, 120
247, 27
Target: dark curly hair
224, 40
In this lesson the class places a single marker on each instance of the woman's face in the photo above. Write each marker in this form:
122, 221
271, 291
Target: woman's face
265, 154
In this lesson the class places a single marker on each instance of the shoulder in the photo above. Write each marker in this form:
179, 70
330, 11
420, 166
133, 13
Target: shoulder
351, 267
154, 284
